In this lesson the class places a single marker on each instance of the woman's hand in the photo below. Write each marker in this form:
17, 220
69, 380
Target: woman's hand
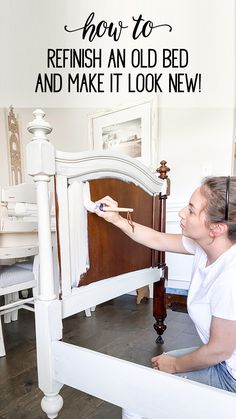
111, 217
164, 363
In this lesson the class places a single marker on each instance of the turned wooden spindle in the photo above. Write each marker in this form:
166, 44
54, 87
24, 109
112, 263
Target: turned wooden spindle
159, 296
163, 170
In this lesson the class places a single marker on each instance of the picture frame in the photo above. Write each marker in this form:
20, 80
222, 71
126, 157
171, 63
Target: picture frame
131, 130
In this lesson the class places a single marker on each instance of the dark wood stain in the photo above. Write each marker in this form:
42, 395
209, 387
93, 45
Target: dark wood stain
111, 252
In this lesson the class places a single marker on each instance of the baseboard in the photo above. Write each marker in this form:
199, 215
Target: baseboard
176, 291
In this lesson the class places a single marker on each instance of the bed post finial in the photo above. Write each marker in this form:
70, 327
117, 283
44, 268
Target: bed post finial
40, 152
163, 170
39, 126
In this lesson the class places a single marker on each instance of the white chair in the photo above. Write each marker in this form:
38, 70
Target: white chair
18, 251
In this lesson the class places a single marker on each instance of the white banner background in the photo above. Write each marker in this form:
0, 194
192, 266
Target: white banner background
205, 28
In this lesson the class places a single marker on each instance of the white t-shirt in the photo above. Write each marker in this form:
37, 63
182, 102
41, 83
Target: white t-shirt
212, 292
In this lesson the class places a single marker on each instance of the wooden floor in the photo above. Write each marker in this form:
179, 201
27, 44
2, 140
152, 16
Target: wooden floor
119, 328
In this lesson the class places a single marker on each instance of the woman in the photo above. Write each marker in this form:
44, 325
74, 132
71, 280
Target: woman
208, 226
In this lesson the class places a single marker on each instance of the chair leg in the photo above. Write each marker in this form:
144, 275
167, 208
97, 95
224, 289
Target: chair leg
87, 312
14, 314
2, 346
8, 300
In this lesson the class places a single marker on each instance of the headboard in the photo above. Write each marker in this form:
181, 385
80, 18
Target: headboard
132, 185
110, 252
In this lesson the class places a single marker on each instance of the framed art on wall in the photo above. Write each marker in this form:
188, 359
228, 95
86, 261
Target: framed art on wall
130, 130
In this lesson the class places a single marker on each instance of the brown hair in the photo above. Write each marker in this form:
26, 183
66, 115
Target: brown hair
215, 191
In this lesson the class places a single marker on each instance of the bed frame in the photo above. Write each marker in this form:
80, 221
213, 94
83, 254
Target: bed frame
86, 281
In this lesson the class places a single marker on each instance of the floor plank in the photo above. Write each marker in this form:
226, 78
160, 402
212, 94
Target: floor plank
118, 327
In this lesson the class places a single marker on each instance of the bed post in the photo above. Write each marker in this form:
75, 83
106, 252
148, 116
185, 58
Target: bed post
159, 299
41, 165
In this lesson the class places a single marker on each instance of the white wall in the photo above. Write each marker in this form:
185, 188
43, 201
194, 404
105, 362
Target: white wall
195, 142
4, 174
70, 133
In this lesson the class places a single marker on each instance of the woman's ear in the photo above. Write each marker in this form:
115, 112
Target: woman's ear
217, 229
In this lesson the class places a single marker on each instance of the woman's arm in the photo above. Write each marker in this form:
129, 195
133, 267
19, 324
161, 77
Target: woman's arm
142, 234
220, 347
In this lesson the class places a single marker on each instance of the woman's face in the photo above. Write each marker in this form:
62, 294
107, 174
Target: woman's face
193, 217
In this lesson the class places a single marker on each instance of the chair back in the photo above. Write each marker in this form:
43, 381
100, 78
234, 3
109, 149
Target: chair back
19, 201
18, 242
18, 222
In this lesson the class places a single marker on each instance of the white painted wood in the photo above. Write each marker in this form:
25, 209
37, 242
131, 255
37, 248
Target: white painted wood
17, 251
46, 285
40, 156
41, 165
48, 329
143, 390
88, 203
64, 238
51, 404
87, 312
7, 303
2, 345
56, 272
18, 287
94, 165
14, 313
78, 229
90, 295
22, 210
11, 304
11, 226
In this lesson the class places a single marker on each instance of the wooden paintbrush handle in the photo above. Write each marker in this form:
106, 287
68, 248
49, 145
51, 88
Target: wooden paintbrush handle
115, 209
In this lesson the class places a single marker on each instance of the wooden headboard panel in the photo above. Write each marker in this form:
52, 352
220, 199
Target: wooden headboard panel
111, 252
